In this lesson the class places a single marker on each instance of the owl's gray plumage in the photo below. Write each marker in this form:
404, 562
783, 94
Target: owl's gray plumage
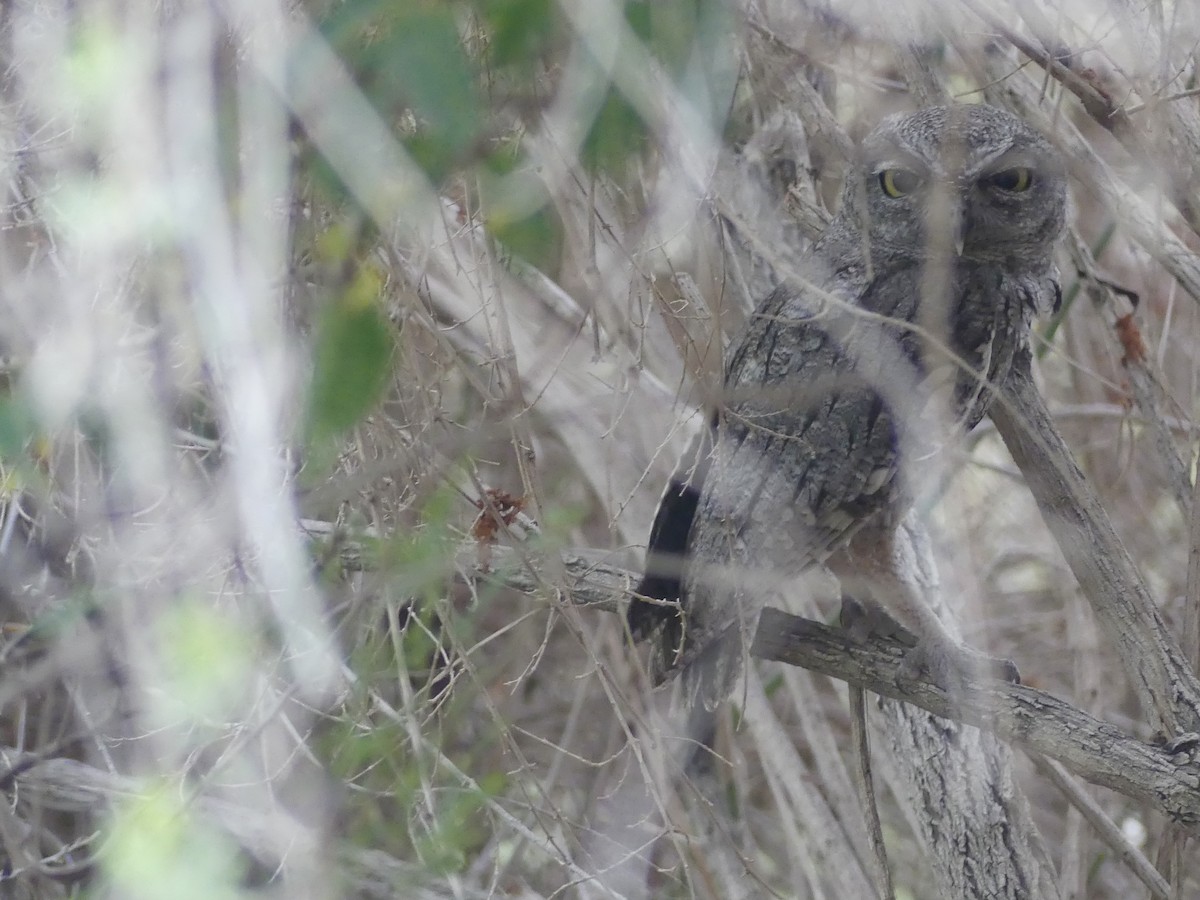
928, 276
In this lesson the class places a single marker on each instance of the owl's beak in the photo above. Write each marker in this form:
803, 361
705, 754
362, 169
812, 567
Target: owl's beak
959, 232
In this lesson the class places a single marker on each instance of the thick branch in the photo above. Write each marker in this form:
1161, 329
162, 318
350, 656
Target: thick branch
1165, 684
1029, 718
1092, 749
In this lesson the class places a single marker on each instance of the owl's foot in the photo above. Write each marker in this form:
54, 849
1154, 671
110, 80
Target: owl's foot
864, 621
952, 667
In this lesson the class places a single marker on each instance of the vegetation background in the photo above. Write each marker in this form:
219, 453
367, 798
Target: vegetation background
289, 287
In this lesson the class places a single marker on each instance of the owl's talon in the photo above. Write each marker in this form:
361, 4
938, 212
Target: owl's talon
863, 621
954, 668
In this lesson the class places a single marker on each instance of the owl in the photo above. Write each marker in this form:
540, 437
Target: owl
845, 385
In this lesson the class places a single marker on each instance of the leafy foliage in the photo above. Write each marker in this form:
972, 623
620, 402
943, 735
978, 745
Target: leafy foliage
245, 418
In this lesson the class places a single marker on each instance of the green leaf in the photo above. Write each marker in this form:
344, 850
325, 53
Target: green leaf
617, 134
353, 359
157, 847
406, 55
537, 238
60, 617
426, 63
639, 17
457, 831
418, 560
17, 427
209, 661
690, 39
520, 30
430, 154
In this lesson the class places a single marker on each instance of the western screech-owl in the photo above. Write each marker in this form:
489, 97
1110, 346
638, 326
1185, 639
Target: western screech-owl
841, 389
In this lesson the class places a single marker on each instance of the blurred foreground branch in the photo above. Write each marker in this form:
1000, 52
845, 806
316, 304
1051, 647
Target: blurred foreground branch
67, 785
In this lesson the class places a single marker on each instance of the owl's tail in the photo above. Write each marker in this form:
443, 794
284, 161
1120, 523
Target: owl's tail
708, 680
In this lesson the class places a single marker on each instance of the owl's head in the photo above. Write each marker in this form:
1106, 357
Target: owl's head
971, 180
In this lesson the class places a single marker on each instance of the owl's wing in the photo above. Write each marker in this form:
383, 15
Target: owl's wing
805, 456
802, 456
818, 410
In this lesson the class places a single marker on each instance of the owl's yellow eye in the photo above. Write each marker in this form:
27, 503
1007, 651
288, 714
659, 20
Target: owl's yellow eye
1014, 180
898, 182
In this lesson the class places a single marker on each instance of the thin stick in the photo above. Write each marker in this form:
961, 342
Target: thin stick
866, 787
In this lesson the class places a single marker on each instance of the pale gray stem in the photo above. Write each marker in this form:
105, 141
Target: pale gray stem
1160, 675
1105, 827
866, 787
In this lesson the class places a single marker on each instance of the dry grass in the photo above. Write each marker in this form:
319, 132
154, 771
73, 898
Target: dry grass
198, 696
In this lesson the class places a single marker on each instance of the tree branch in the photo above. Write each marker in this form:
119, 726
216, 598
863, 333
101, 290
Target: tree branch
1029, 718
1094, 750
1160, 675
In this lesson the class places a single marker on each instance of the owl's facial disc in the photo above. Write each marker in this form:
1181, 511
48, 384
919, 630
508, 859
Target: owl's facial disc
959, 212
914, 193
962, 182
